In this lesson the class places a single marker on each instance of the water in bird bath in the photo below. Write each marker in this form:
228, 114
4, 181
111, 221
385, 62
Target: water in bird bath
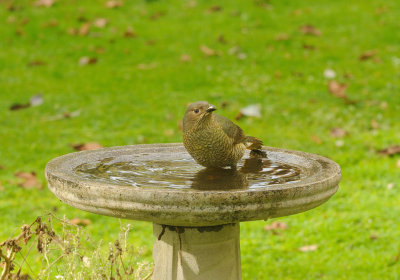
186, 174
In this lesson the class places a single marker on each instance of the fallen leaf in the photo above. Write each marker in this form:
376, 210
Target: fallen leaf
80, 222
367, 55
221, 39
84, 30
87, 60
157, 15
18, 106
374, 124
253, 110
129, 33
149, 66
208, 51
185, 58
310, 30
36, 63
309, 47
276, 226
100, 22
29, 180
398, 164
215, 8
316, 139
390, 151
373, 237
113, 4
282, 37
337, 132
87, 146
309, 248
329, 73
337, 89
44, 3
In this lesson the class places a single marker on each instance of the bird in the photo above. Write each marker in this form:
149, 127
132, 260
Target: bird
214, 140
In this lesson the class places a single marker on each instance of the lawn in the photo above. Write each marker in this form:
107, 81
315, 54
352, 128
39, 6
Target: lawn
127, 80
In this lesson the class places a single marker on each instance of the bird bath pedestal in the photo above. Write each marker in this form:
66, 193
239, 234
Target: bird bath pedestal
195, 211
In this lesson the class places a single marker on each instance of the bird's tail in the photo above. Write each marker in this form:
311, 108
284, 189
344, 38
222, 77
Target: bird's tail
253, 143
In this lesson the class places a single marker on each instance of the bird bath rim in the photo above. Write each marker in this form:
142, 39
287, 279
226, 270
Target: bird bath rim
181, 207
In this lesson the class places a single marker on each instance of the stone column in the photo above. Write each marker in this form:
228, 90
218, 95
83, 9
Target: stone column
197, 253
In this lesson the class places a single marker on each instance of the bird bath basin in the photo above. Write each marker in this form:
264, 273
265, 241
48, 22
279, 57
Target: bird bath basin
195, 211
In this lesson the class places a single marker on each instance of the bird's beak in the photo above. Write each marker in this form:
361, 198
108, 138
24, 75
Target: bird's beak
211, 108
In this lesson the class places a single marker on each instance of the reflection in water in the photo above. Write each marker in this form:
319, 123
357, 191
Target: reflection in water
252, 172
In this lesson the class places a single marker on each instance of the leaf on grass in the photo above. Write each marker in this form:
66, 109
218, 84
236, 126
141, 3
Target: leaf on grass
398, 164
373, 237
29, 180
309, 248
185, 58
100, 22
18, 106
87, 146
339, 90
143, 66
310, 30
222, 39
80, 222
337, 132
36, 63
208, 51
390, 151
374, 124
215, 8
111, 4
276, 226
129, 33
157, 15
44, 3
84, 29
316, 139
367, 55
85, 60
282, 37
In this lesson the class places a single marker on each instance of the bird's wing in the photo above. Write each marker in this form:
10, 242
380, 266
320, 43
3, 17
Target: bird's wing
231, 130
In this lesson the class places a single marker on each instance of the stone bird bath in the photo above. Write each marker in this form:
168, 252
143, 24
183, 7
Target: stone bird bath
195, 211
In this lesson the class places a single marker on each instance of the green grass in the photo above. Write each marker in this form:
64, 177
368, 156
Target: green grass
121, 104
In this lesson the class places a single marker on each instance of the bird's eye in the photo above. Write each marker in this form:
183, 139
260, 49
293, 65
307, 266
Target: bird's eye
196, 111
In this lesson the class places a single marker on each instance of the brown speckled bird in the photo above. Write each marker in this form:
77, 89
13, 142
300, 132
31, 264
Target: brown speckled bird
213, 140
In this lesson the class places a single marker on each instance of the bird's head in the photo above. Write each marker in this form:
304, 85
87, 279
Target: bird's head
197, 113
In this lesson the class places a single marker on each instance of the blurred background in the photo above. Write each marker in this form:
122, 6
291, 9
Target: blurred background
319, 76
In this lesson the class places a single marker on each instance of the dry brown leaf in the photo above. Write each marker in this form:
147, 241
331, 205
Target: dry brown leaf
129, 33
276, 226
309, 47
44, 3
87, 146
374, 124
316, 139
337, 89
18, 106
282, 37
309, 248
157, 15
373, 237
36, 63
208, 51
215, 8
85, 60
113, 4
310, 30
390, 151
398, 164
337, 132
80, 222
185, 58
100, 22
221, 39
367, 55
84, 29
29, 180
143, 66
